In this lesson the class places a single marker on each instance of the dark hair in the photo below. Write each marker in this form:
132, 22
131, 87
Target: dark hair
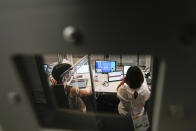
134, 78
58, 70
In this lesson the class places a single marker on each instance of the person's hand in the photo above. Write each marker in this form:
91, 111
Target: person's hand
123, 80
53, 81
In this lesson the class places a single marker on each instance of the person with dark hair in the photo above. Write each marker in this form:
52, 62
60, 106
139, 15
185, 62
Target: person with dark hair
61, 75
58, 71
133, 92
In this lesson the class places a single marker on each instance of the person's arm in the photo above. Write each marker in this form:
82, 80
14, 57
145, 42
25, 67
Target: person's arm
85, 92
75, 91
121, 83
122, 94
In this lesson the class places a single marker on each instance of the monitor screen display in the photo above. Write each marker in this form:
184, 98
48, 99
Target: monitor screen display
83, 69
115, 76
125, 69
45, 67
50, 68
105, 66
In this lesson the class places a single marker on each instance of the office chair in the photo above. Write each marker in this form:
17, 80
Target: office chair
60, 96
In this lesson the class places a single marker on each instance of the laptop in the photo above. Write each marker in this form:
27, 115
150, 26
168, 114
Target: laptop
80, 83
115, 76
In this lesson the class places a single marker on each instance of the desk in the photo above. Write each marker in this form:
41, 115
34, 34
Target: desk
99, 79
105, 96
109, 87
88, 89
106, 99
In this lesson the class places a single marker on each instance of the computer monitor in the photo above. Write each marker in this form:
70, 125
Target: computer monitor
50, 68
83, 69
115, 76
125, 68
105, 66
45, 67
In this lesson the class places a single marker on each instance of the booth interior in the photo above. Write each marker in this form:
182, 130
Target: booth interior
98, 76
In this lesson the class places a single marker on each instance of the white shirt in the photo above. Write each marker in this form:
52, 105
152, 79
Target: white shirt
128, 104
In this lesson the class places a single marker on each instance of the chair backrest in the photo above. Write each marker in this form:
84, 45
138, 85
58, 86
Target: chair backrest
60, 96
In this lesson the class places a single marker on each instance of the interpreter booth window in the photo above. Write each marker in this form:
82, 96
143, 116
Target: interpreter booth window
90, 90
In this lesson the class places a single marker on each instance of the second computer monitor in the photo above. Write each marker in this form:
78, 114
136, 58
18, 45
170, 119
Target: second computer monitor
45, 67
105, 66
115, 76
125, 69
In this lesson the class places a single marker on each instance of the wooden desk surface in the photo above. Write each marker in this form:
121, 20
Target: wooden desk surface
99, 80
